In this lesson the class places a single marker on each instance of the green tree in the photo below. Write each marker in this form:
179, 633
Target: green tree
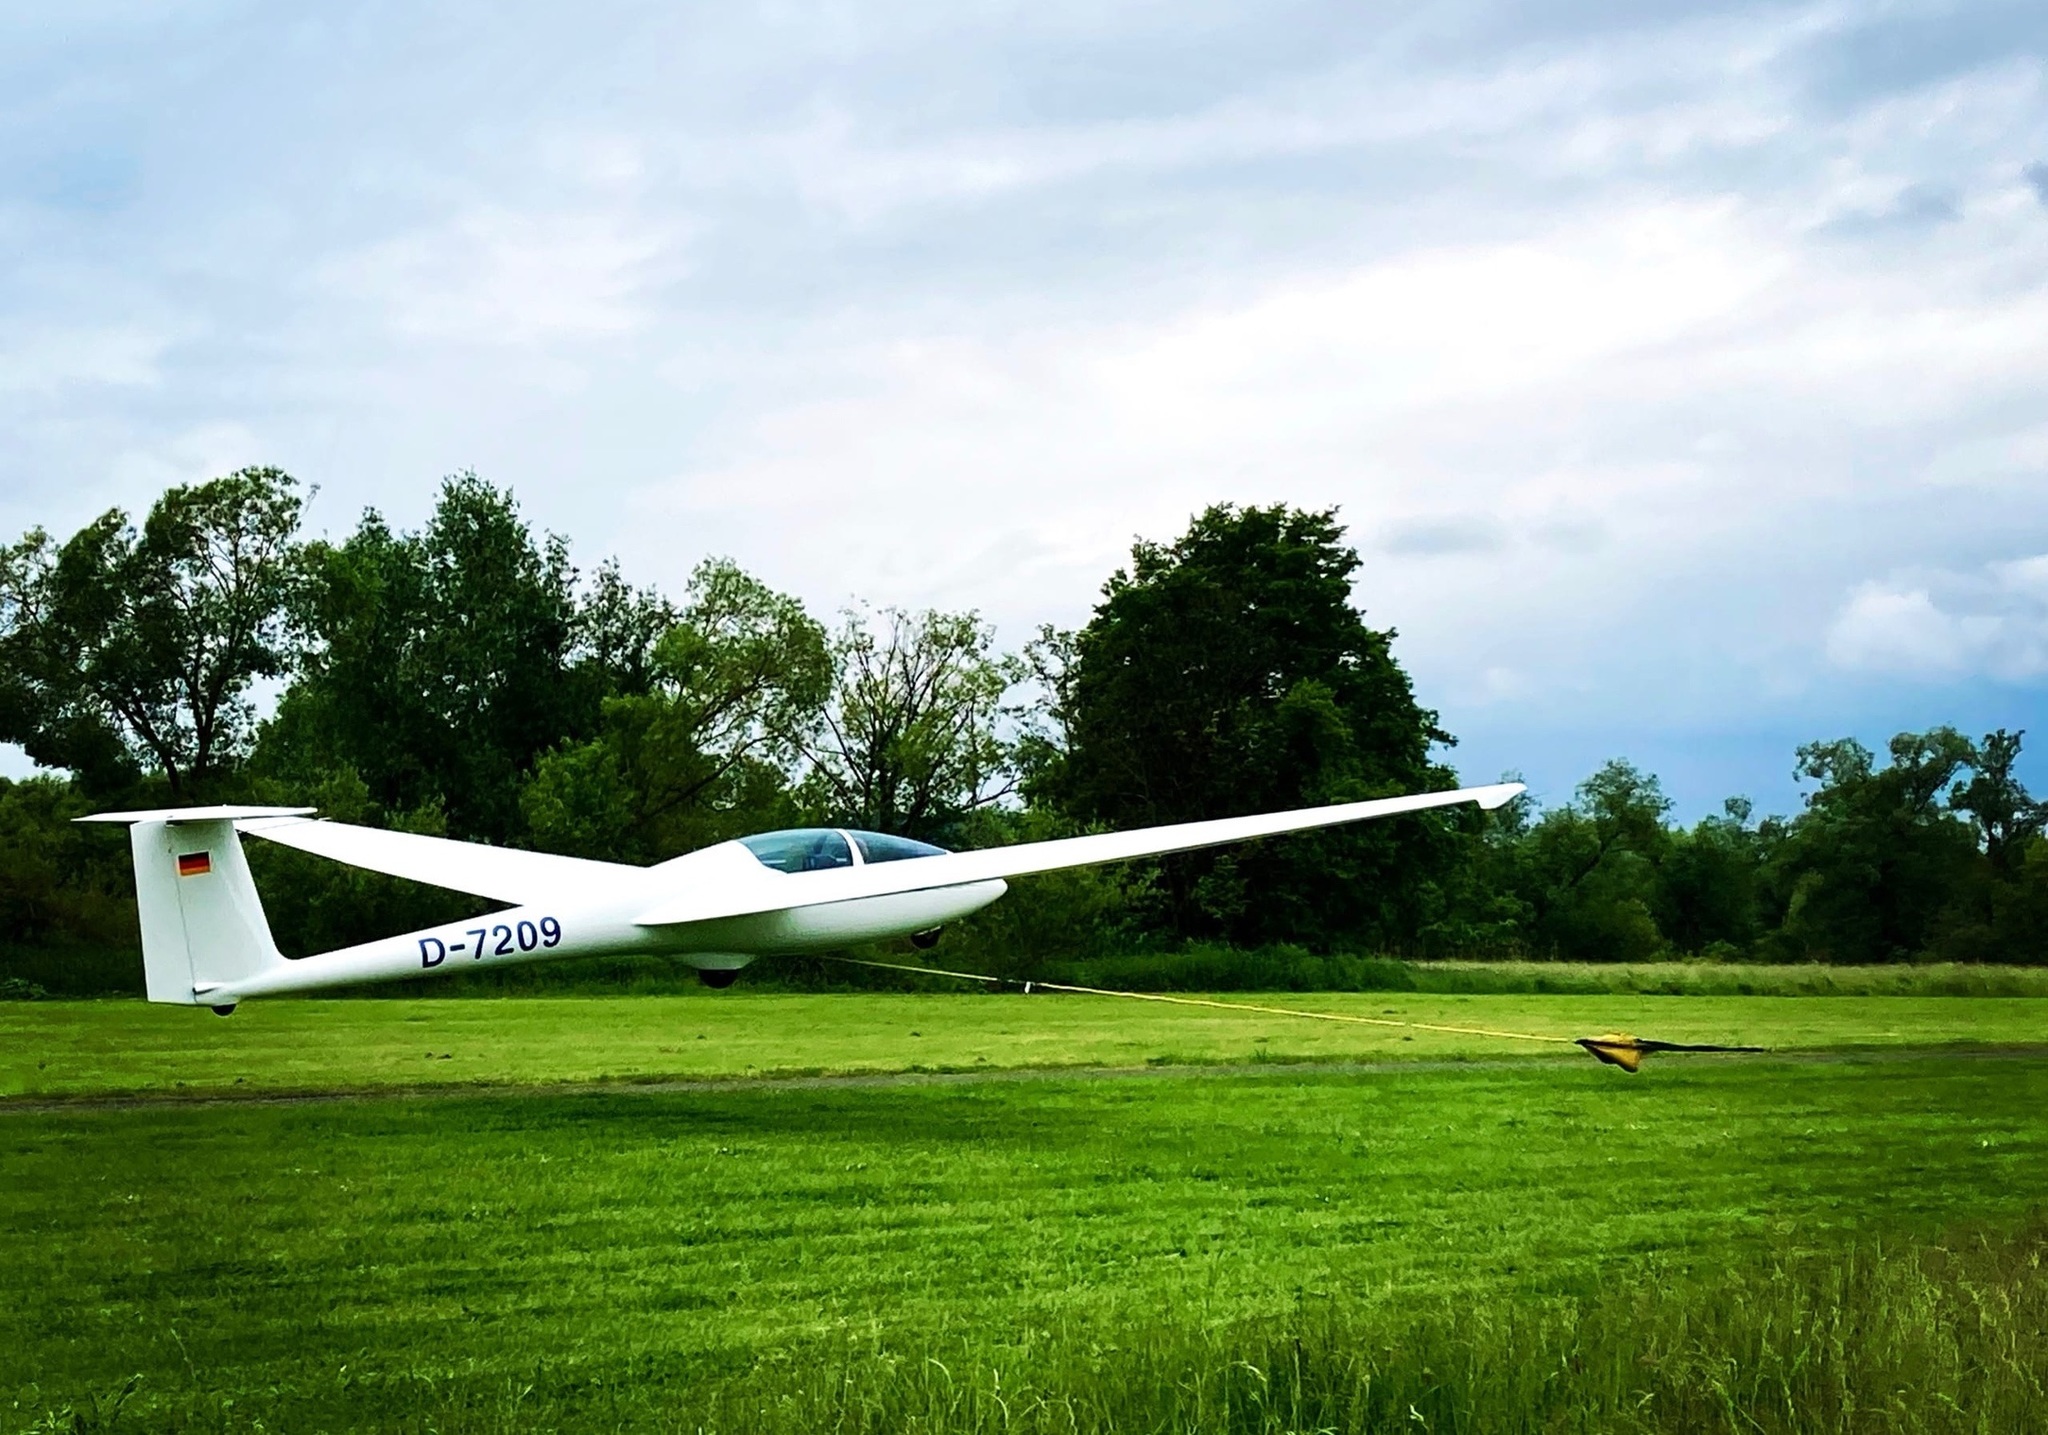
122, 652
1228, 672
911, 739
2007, 818
59, 884
617, 629
1712, 882
706, 751
2018, 925
1484, 909
442, 664
1872, 864
1589, 870
2001, 915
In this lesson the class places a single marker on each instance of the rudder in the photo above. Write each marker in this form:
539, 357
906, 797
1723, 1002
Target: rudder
203, 927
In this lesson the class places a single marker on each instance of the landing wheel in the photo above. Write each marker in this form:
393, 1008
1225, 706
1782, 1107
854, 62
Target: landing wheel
718, 979
224, 1010
924, 941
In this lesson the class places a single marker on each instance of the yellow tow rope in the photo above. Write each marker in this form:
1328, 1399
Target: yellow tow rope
1615, 1049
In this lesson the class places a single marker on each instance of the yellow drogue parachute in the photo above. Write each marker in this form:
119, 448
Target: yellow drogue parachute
1618, 1048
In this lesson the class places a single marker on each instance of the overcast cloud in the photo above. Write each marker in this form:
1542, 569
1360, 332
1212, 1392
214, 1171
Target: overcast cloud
1682, 373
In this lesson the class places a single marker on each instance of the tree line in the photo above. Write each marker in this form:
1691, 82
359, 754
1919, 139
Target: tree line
465, 679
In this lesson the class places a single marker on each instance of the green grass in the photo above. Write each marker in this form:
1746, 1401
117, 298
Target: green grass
671, 1255
1204, 968
1731, 1244
76, 1048
1805, 979
1733, 979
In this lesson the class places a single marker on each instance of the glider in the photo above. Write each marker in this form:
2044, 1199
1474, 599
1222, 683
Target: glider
206, 941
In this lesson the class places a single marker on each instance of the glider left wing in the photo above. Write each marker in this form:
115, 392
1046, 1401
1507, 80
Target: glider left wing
957, 869
504, 874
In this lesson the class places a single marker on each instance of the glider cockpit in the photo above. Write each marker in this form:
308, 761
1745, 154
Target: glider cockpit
819, 849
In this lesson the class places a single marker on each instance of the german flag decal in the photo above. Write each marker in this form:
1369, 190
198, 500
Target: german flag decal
194, 864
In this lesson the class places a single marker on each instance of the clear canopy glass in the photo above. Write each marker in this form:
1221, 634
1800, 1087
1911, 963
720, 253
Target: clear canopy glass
881, 847
815, 849
801, 849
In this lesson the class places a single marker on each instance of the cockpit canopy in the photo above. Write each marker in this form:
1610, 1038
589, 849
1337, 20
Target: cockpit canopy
816, 849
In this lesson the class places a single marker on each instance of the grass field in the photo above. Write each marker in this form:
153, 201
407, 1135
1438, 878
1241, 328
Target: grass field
1769, 1243
80, 1048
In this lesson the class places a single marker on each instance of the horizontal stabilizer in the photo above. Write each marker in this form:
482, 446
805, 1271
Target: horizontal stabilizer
504, 874
178, 816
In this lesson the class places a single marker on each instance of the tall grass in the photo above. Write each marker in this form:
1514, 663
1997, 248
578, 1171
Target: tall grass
1199, 967
1715, 979
1937, 1338
1274, 969
1948, 1336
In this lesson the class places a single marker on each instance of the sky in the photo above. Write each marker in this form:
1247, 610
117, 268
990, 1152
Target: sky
1681, 372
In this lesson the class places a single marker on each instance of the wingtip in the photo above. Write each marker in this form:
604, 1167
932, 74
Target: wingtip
1501, 794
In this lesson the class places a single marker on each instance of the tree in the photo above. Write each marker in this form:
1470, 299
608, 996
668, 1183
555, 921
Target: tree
1042, 739
706, 751
122, 650
1227, 673
1711, 879
2007, 818
442, 664
59, 884
618, 628
1870, 866
1590, 871
910, 741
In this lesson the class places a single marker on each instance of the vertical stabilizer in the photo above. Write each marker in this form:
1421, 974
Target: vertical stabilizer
202, 923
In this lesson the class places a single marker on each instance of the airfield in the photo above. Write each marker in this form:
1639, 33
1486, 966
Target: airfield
770, 1210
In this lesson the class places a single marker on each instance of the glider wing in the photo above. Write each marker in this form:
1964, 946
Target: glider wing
957, 869
504, 874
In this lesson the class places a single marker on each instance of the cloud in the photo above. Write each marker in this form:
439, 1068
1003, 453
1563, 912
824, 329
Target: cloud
1453, 534
48, 362
1631, 344
202, 452
496, 276
1916, 207
1992, 623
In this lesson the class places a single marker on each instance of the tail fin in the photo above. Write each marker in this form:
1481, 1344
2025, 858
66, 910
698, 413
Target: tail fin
203, 927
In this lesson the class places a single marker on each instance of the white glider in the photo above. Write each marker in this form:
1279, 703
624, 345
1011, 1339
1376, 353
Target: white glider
206, 941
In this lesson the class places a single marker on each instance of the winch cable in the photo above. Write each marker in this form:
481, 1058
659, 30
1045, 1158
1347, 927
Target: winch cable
1615, 1048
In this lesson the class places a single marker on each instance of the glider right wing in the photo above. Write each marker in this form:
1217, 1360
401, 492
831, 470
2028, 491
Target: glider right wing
957, 869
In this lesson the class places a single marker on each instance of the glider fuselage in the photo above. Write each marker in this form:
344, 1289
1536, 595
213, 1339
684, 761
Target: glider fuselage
582, 925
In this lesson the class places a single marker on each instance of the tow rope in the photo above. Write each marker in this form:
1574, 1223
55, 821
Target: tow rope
1614, 1049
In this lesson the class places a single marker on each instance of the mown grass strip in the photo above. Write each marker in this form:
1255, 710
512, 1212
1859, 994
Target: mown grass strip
64, 1048
676, 1260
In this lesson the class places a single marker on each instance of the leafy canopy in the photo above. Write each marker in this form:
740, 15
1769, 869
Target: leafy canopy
705, 751
911, 739
123, 651
1229, 672
441, 664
